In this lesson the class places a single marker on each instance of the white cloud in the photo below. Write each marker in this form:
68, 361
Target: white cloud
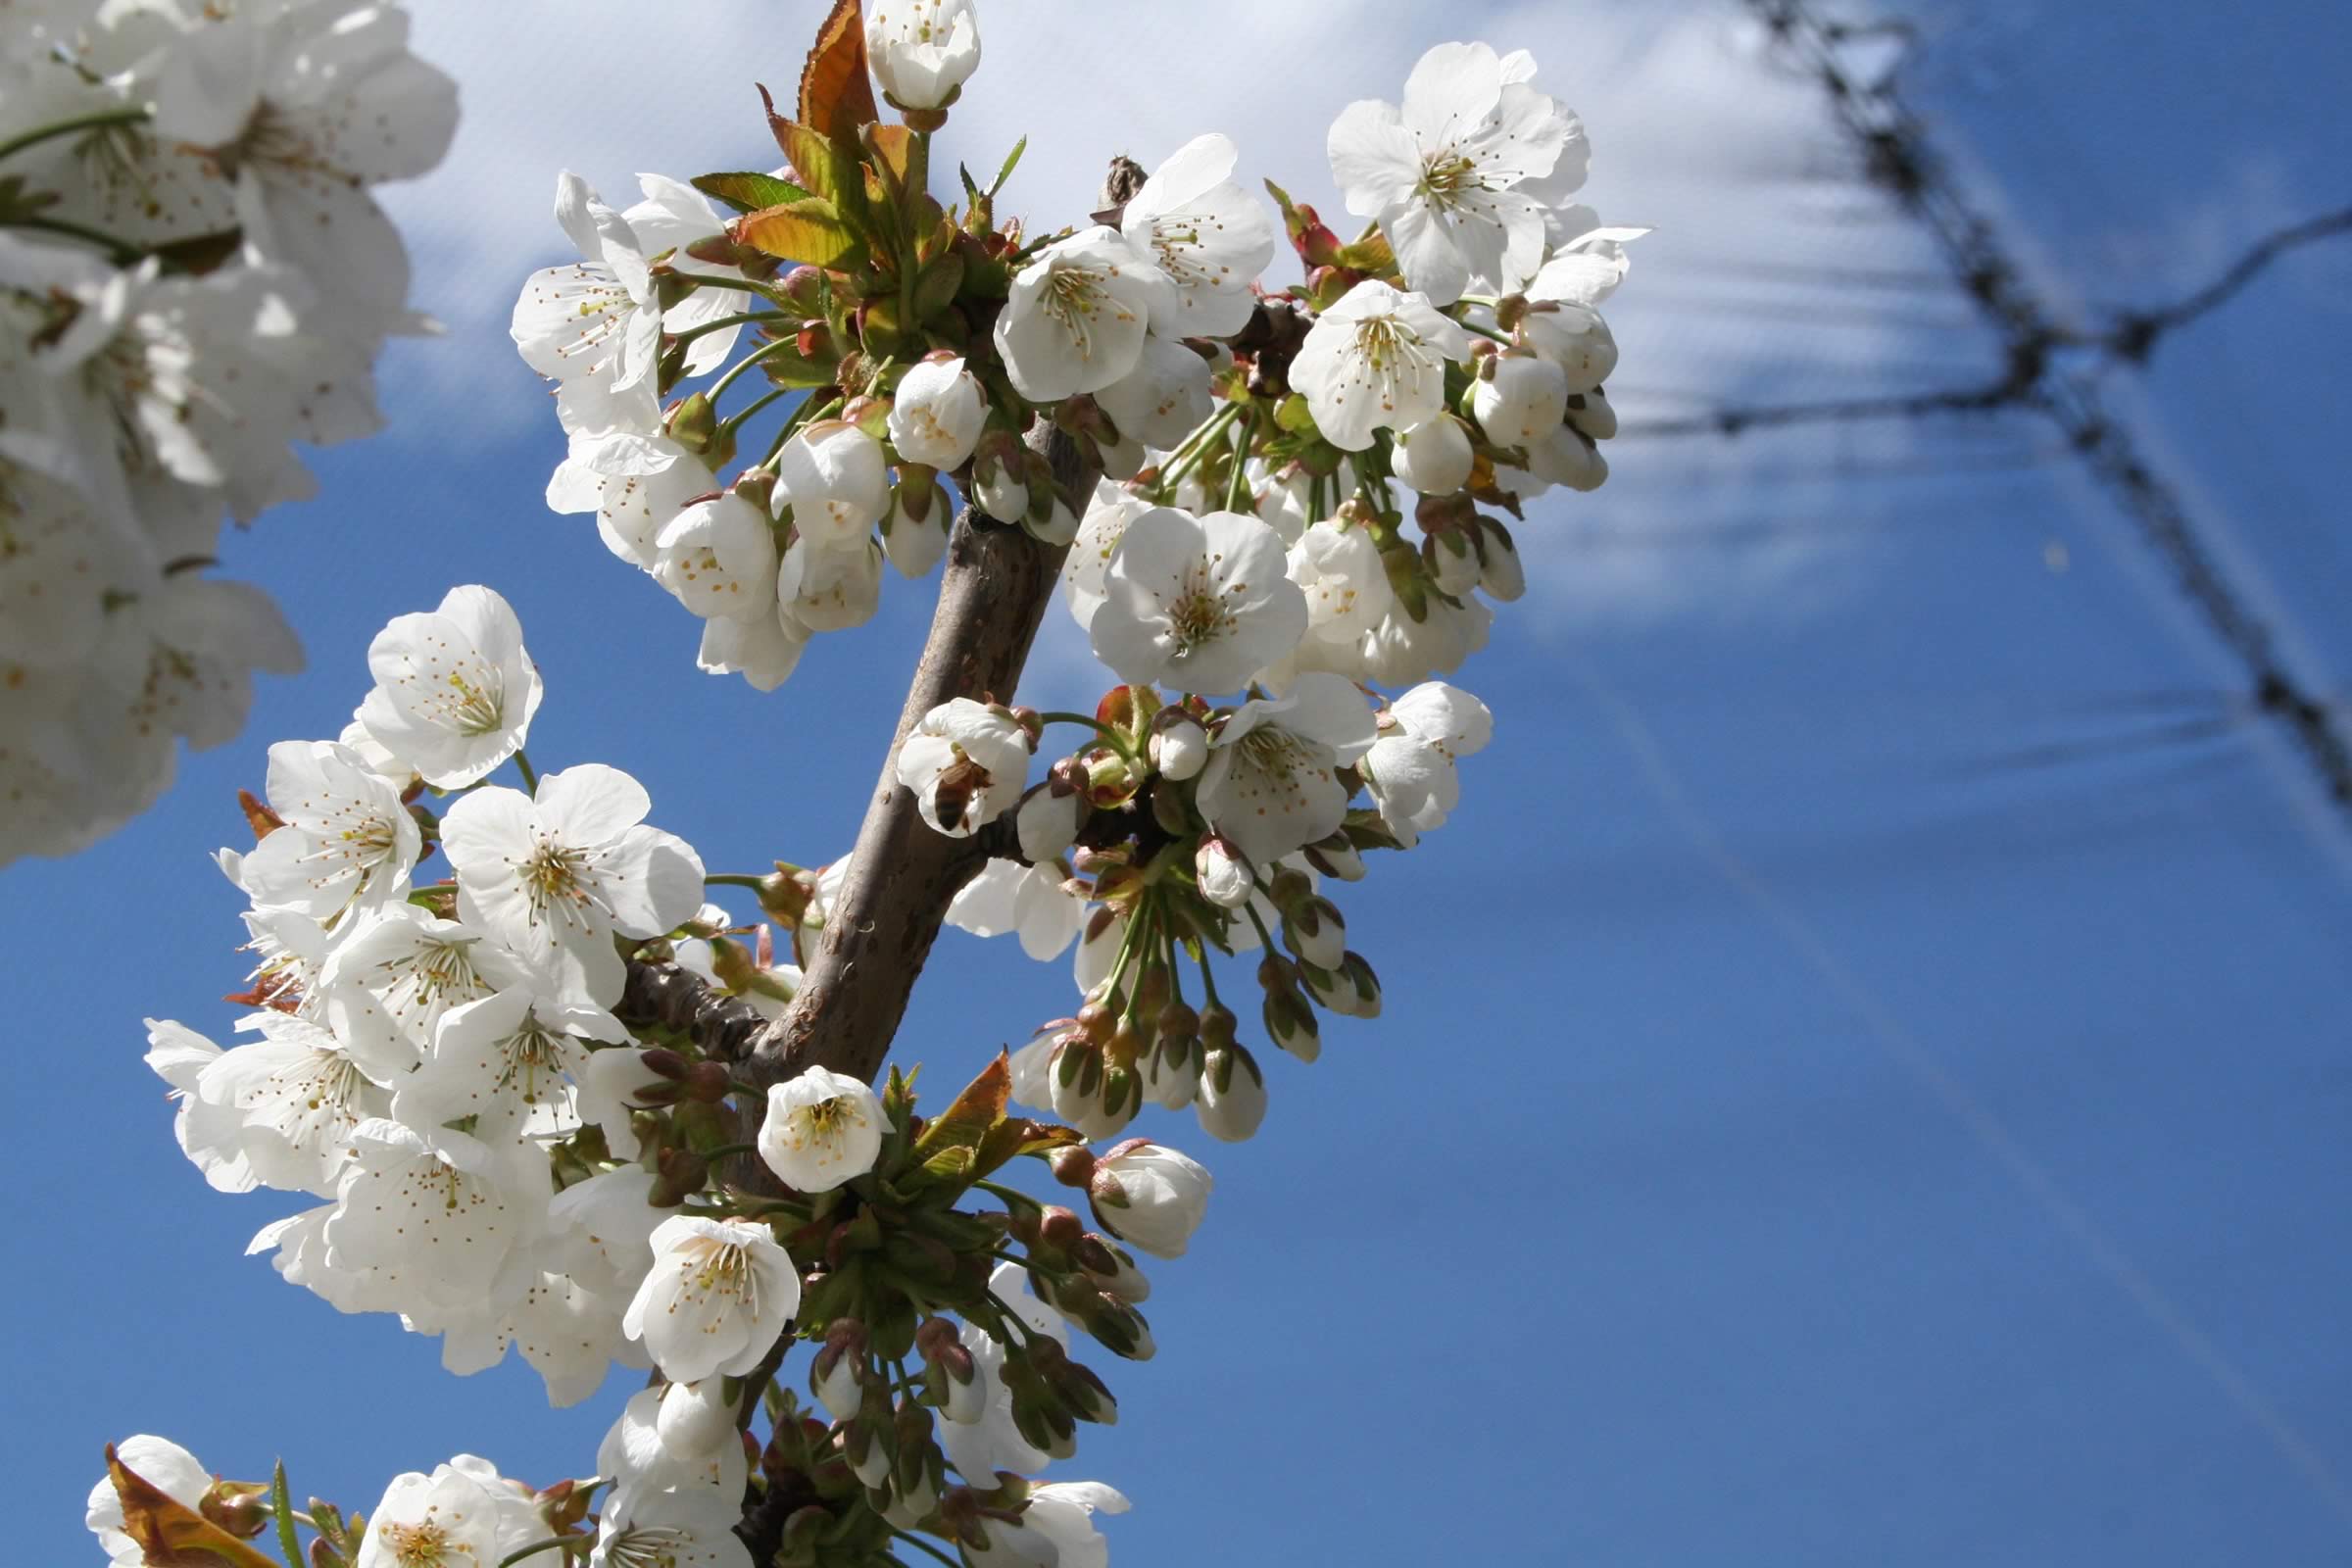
1694, 132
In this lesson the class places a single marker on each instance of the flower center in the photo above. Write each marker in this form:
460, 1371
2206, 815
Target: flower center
1446, 177
1199, 617
557, 880
425, 1545
647, 1547
1072, 297
724, 1268
533, 1057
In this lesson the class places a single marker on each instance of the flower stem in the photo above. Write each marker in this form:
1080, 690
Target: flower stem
97, 120
734, 421
121, 252
530, 774
1241, 464
550, 1543
745, 362
733, 879
723, 322
924, 1547
1110, 737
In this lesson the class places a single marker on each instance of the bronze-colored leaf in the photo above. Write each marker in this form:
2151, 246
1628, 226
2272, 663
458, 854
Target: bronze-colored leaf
836, 96
979, 1107
171, 1534
748, 192
809, 232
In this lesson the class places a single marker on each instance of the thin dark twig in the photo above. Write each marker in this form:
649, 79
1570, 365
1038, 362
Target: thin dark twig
2135, 333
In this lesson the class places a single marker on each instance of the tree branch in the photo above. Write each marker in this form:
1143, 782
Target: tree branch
903, 872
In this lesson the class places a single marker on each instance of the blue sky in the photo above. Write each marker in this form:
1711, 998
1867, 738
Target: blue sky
1847, 1093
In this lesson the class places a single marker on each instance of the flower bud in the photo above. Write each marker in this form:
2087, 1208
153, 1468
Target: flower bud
1563, 457
1338, 857
1172, 1072
1231, 1102
694, 423
916, 540
1150, 1196
1111, 1270
1223, 872
1434, 457
1591, 413
1059, 1228
1179, 745
836, 1372
1290, 1024
1519, 399
695, 1420
1573, 337
1073, 1165
936, 414
1499, 570
240, 1507
1312, 929
1057, 529
1352, 990
1048, 822
1454, 564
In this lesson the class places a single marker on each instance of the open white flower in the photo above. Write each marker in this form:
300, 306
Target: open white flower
297, 1096
389, 982
1077, 314
718, 557
1438, 174
764, 648
1197, 603
633, 483
568, 1334
1165, 398
444, 1520
718, 1293
922, 51
968, 764
673, 216
1410, 768
1033, 900
502, 1061
1567, 174
278, 97
455, 688
829, 588
434, 1218
1376, 360
690, 1529
937, 413
1105, 524
821, 1129
1345, 582
1208, 235
594, 325
1063, 1512
1150, 1195
346, 840
210, 1135
641, 1465
555, 876
1271, 785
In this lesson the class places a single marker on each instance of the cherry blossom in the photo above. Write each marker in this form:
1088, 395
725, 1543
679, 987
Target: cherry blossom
1032, 901
1438, 173
455, 688
968, 764
1376, 360
1076, 319
347, 839
1150, 1195
555, 874
164, 1465
936, 412
1209, 236
821, 1129
1271, 784
1199, 603
594, 325
718, 1293
1410, 768
922, 51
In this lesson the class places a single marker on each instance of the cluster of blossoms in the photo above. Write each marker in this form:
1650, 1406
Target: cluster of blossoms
545, 1099
194, 273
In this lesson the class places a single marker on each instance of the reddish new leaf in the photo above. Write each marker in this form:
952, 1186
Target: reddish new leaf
836, 96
